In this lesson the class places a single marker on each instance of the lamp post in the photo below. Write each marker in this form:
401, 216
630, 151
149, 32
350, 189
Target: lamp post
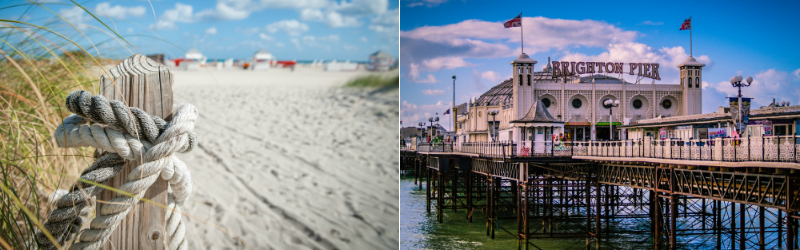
422, 127
736, 81
453, 117
493, 113
609, 104
430, 131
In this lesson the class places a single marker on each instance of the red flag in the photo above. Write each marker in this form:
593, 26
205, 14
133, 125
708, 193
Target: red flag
687, 24
516, 22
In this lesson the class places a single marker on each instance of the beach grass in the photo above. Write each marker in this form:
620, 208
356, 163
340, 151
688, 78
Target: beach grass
375, 81
42, 59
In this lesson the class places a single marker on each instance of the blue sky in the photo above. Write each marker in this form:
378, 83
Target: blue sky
441, 38
297, 29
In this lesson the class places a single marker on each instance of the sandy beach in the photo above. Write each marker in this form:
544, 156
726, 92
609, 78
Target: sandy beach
291, 160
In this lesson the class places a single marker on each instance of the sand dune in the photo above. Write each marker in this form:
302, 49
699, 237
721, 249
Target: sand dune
289, 160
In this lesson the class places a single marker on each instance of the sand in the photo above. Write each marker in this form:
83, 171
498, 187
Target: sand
291, 160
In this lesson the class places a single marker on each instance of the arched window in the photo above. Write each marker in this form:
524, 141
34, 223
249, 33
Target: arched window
690, 81
520, 79
529, 79
697, 82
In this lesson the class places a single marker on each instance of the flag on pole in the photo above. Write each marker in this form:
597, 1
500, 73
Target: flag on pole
687, 24
446, 112
516, 22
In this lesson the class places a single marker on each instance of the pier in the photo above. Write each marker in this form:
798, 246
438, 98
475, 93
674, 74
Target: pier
725, 193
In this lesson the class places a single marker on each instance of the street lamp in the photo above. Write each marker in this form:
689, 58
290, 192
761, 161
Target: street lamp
609, 104
453, 119
493, 113
736, 81
422, 127
430, 131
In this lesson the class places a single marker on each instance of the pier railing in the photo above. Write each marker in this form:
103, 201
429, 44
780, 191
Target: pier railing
767, 148
436, 147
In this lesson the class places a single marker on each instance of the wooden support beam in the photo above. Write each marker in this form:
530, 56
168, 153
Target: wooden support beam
143, 83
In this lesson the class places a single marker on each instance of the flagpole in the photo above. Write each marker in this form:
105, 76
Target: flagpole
690, 37
522, 47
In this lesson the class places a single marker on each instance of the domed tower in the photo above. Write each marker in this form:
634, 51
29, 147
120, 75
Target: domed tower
522, 74
692, 83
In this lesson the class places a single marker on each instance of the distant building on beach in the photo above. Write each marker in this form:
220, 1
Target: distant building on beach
341, 66
381, 61
191, 60
262, 60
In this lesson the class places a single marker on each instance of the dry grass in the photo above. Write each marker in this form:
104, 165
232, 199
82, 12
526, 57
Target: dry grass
39, 65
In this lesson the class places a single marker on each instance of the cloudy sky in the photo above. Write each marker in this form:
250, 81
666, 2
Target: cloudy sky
296, 29
441, 38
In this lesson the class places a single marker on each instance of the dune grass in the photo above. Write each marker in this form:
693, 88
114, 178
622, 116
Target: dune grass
375, 81
41, 61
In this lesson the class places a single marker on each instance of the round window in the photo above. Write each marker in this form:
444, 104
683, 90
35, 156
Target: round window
637, 104
546, 102
666, 104
577, 103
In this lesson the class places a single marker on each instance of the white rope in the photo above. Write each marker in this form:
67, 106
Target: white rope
158, 159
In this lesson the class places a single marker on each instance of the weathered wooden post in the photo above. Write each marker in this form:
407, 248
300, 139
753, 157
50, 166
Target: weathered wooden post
143, 83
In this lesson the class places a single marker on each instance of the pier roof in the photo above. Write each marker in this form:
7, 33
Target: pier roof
497, 95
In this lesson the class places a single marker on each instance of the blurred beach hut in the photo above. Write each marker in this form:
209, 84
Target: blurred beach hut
191, 60
229, 63
341, 66
380, 61
262, 60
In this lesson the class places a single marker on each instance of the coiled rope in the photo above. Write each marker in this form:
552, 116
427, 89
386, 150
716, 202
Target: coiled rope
123, 134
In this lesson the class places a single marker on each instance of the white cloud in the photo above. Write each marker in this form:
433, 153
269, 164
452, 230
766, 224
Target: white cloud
291, 27
482, 39
490, 75
120, 12
387, 24
427, 3
344, 13
130, 30
74, 15
796, 74
414, 73
648, 22
211, 31
766, 85
364, 39
438, 63
349, 47
296, 43
184, 13
265, 37
704, 85
279, 45
432, 91
330, 18
181, 13
248, 31
412, 113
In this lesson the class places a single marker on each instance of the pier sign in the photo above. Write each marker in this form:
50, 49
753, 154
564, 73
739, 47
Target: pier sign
648, 70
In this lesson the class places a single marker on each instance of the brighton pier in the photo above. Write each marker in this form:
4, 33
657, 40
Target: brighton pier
671, 178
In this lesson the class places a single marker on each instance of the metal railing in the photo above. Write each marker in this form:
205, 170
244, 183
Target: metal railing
435, 147
768, 148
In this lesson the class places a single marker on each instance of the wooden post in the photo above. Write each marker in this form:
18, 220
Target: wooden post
143, 83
